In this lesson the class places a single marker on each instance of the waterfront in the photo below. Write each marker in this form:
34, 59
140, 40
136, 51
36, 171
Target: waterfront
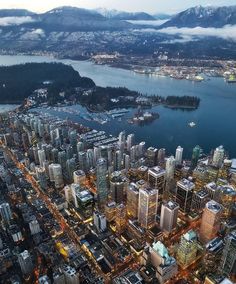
6, 107
214, 119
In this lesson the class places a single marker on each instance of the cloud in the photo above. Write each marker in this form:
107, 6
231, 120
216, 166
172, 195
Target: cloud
15, 21
227, 32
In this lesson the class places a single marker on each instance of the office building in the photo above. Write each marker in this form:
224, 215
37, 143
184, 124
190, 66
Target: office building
25, 262
130, 141
79, 177
166, 266
121, 218
187, 249
84, 202
210, 223
213, 254
156, 178
132, 200
118, 186
184, 193
110, 211
218, 157
170, 168
41, 176
195, 156
100, 221
71, 275
5, 212
102, 188
199, 200
147, 208
214, 191
179, 155
151, 156
57, 175
169, 216
34, 227
42, 157
228, 261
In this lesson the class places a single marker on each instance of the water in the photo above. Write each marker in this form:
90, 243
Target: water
215, 118
6, 108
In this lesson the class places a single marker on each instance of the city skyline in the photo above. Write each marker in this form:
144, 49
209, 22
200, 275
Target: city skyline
150, 6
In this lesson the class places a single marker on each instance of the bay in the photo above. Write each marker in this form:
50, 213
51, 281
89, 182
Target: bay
215, 119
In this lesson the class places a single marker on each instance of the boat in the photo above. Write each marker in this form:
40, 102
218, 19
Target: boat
192, 124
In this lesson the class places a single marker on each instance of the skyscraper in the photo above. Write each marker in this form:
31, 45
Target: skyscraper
170, 168
156, 178
218, 157
25, 262
187, 249
130, 141
132, 200
100, 221
118, 186
210, 224
57, 175
102, 188
179, 155
5, 212
184, 193
121, 218
228, 261
195, 155
169, 215
147, 208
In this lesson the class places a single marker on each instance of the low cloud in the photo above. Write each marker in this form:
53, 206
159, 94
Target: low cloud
15, 21
227, 32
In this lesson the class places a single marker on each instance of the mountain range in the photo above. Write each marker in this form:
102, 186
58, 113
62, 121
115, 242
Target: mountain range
205, 17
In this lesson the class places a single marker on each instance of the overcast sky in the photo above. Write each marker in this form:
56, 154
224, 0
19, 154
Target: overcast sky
151, 6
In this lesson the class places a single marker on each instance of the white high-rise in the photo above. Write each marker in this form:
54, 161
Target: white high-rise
58, 177
169, 215
218, 157
179, 155
170, 168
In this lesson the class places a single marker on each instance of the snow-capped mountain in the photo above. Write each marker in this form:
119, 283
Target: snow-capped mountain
204, 17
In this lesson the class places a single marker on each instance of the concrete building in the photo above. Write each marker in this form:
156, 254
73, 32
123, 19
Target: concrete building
166, 266
179, 155
79, 177
156, 178
118, 186
147, 208
102, 188
5, 212
187, 249
25, 262
218, 157
169, 215
132, 200
100, 221
210, 223
184, 193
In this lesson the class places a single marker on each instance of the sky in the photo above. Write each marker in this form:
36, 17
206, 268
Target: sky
150, 6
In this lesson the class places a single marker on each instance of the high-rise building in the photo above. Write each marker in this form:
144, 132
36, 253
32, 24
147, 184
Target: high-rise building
214, 191
71, 275
102, 188
132, 200
169, 215
130, 141
79, 177
166, 265
156, 178
118, 160
57, 175
184, 193
110, 211
41, 176
170, 168
100, 221
42, 157
34, 227
227, 199
210, 223
187, 249
118, 186
84, 202
218, 157
5, 212
213, 254
228, 261
199, 200
179, 155
121, 218
196, 155
147, 208
161, 156
152, 156
25, 262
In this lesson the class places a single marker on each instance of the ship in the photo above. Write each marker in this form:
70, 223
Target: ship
192, 124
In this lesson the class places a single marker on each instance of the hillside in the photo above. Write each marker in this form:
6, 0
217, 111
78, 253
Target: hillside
199, 16
19, 81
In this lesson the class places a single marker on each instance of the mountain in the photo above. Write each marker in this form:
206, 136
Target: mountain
161, 16
125, 16
15, 13
71, 18
205, 17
